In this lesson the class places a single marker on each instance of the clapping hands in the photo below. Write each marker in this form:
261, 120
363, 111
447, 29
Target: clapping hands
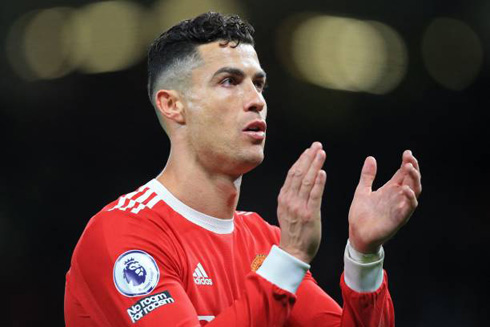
376, 216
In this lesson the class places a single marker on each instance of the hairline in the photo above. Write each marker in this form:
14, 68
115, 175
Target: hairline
178, 75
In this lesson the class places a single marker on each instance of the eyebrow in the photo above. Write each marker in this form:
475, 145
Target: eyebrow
238, 72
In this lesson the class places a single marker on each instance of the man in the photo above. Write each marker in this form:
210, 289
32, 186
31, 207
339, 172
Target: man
175, 252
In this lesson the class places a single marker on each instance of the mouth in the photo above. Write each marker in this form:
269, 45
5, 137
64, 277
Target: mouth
256, 129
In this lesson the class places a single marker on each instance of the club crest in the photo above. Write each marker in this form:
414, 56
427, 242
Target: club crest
258, 261
135, 273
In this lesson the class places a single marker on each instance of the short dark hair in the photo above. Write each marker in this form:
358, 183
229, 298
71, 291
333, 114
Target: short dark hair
180, 42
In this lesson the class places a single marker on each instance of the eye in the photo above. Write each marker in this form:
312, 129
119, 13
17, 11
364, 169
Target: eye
261, 85
228, 81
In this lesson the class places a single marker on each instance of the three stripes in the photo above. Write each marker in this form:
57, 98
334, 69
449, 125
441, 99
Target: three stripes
199, 272
137, 200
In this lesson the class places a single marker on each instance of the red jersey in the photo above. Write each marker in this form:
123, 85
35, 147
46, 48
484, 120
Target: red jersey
148, 259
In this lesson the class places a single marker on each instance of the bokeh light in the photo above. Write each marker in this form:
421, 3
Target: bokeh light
395, 59
105, 36
100, 37
345, 53
169, 12
452, 53
36, 46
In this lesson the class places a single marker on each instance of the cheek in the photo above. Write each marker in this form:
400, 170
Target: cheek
210, 123
215, 118
208, 129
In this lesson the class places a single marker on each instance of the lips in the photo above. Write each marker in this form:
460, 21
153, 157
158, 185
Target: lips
256, 130
256, 126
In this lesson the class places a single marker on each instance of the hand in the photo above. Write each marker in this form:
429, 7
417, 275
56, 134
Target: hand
299, 204
376, 216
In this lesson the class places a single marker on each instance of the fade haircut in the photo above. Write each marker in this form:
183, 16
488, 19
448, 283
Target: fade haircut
173, 55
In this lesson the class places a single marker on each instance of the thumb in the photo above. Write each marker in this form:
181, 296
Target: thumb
368, 174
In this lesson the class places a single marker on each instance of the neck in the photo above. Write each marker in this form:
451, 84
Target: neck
211, 193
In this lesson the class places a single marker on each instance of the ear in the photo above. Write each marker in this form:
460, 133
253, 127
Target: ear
169, 104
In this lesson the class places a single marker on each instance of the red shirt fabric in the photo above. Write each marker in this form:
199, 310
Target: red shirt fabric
147, 259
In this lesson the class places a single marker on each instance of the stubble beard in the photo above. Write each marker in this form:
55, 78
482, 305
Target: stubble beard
232, 161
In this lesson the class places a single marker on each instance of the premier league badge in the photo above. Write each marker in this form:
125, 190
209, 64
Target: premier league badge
135, 273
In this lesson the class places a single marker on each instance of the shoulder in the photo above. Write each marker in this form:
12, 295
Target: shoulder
129, 232
130, 211
126, 224
134, 202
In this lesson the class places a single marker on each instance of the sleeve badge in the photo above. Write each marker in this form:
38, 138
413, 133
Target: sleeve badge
135, 273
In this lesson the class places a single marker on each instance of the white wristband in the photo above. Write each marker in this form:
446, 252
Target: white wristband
283, 270
363, 272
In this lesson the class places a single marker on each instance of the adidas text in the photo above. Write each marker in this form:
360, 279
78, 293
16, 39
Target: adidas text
203, 281
201, 277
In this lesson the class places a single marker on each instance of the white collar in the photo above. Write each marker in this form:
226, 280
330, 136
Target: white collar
213, 224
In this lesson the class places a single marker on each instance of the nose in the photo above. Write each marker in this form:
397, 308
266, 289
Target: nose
254, 99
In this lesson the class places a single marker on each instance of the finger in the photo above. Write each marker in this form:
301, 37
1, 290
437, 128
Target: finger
368, 173
303, 166
409, 157
316, 194
407, 205
310, 177
411, 197
412, 178
400, 174
287, 183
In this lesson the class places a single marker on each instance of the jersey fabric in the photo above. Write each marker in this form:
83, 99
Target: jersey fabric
147, 259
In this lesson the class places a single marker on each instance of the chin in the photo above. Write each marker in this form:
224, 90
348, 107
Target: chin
240, 162
252, 161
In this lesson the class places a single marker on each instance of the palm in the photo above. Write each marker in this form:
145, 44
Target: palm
375, 216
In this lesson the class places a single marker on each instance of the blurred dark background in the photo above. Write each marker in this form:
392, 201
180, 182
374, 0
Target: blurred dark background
77, 131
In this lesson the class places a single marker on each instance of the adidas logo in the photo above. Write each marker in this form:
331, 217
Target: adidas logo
200, 276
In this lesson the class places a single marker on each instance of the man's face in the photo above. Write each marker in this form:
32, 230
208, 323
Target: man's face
226, 110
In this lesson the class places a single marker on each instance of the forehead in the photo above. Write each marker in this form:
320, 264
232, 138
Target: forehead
215, 56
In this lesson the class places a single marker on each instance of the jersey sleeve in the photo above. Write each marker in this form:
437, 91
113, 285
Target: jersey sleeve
367, 308
122, 274
314, 307
121, 277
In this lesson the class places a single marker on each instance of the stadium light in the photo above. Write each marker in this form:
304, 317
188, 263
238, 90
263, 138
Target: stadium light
169, 12
345, 53
36, 47
107, 36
